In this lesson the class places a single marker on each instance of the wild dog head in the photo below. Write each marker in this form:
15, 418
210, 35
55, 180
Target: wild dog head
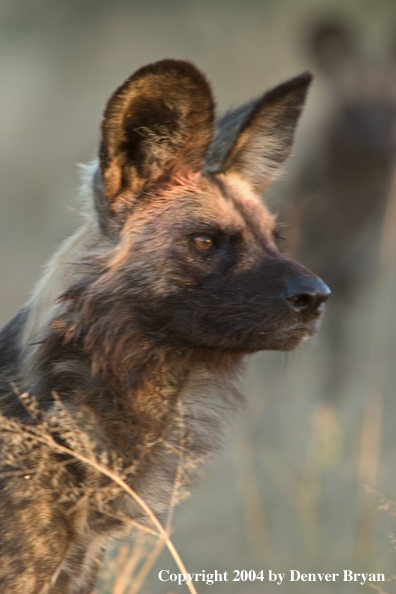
195, 262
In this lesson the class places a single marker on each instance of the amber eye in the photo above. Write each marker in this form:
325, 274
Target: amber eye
203, 242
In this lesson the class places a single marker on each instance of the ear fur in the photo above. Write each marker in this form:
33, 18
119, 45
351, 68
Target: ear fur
256, 139
159, 120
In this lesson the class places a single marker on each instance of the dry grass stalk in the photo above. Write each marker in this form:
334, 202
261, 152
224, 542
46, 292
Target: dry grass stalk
250, 494
371, 432
384, 504
151, 558
28, 450
386, 270
141, 576
128, 565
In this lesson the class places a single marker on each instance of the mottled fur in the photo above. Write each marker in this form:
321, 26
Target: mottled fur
136, 329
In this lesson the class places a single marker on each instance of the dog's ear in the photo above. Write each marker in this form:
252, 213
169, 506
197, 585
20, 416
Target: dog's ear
160, 120
255, 139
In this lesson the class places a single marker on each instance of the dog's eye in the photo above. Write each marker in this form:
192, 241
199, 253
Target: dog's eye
203, 242
278, 236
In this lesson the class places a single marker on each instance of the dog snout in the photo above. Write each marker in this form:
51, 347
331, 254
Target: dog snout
307, 294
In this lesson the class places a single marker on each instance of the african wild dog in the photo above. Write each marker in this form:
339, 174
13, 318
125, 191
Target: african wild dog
142, 319
340, 191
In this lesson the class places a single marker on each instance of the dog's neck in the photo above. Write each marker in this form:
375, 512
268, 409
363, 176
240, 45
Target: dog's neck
135, 390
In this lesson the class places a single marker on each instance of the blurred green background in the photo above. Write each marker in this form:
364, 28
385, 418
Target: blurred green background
307, 477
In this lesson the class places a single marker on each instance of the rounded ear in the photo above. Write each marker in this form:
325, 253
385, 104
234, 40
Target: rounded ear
257, 138
160, 120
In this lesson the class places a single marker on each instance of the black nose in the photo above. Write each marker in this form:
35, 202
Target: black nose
306, 294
